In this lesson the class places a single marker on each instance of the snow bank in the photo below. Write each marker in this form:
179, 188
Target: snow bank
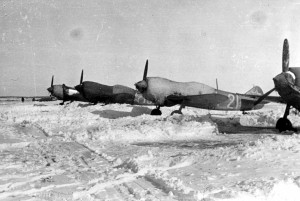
118, 123
281, 191
149, 129
268, 116
180, 157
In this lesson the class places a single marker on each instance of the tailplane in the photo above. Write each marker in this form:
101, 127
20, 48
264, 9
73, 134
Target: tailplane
256, 90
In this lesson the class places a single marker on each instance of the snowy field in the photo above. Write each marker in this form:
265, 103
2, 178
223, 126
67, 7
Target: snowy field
120, 152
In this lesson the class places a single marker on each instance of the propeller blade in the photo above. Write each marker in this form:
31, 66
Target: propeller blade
52, 80
263, 96
285, 56
145, 70
81, 78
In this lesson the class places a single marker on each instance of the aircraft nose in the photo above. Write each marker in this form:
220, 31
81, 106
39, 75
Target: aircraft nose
283, 80
278, 81
141, 86
137, 86
50, 89
79, 88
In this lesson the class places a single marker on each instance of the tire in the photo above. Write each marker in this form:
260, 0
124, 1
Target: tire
284, 125
156, 112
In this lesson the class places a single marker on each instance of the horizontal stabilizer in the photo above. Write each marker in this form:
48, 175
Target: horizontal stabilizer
256, 90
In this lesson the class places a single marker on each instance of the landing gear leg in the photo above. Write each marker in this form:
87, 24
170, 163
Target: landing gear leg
156, 111
284, 124
179, 110
70, 102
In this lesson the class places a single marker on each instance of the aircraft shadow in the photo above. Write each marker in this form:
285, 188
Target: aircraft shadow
194, 144
39, 105
85, 105
114, 114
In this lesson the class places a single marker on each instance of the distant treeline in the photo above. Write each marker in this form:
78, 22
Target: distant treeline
22, 98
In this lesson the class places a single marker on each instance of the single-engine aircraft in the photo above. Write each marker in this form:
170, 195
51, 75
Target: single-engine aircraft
99, 93
65, 93
287, 84
164, 92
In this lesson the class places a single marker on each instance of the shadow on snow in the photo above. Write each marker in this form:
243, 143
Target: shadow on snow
195, 144
114, 114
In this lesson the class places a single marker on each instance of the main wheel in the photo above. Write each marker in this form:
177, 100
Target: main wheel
156, 112
284, 124
176, 112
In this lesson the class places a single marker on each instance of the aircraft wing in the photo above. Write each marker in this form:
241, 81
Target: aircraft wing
275, 99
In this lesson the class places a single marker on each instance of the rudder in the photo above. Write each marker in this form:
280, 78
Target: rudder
256, 90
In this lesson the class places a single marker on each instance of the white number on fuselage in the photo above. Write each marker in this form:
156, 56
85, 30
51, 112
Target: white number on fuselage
233, 99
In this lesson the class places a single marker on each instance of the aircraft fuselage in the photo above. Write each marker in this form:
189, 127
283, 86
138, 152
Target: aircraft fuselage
194, 95
96, 92
159, 88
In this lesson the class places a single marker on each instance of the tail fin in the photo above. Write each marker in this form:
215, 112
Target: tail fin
256, 90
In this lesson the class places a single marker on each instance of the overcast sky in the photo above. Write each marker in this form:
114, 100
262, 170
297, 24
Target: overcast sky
237, 41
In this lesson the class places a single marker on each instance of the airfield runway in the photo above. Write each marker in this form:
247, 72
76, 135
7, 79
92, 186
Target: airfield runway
119, 152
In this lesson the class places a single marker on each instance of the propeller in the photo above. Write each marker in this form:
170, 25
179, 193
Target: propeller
79, 87
141, 86
145, 71
64, 90
263, 96
52, 81
81, 78
285, 56
285, 68
50, 89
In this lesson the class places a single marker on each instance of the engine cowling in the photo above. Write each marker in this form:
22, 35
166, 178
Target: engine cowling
296, 72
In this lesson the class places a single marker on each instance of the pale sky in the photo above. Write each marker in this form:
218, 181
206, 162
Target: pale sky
237, 41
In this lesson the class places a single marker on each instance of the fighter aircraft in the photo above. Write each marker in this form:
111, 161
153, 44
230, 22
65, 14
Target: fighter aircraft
164, 92
65, 93
287, 84
99, 93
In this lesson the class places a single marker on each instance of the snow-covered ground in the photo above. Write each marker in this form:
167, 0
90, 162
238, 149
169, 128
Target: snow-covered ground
120, 152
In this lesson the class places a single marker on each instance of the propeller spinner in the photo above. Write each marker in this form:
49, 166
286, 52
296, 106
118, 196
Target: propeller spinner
79, 87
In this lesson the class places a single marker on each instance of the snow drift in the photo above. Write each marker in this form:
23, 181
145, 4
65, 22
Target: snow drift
120, 152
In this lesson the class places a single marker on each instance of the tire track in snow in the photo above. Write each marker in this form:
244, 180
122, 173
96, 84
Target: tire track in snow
141, 184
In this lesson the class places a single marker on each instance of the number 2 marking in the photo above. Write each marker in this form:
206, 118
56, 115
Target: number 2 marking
233, 98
